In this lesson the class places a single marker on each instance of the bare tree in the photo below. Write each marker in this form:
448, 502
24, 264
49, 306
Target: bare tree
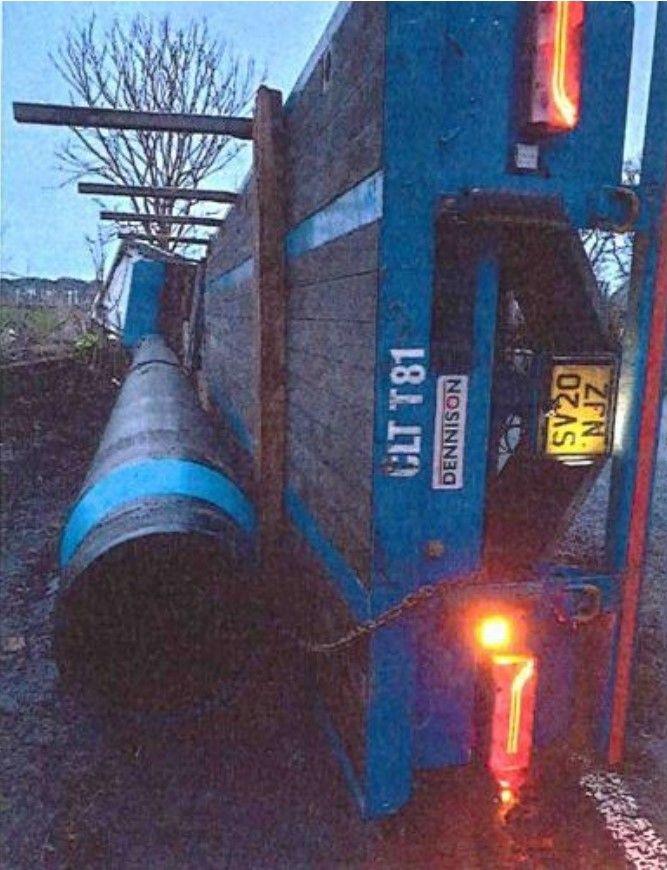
98, 248
152, 66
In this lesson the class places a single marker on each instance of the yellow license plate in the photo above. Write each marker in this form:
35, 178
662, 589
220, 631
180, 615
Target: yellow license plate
579, 420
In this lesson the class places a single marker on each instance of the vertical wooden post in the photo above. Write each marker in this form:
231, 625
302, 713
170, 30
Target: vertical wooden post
268, 159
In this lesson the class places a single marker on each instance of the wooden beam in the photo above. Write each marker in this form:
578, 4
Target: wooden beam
121, 119
226, 196
269, 240
181, 240
161, 218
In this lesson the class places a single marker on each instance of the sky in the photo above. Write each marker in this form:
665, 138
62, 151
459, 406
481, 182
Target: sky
44, 223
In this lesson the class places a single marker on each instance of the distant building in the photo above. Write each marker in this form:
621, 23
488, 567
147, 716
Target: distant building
61, 293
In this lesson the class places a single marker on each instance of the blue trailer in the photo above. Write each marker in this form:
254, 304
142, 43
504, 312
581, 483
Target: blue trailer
447, 376
400, 333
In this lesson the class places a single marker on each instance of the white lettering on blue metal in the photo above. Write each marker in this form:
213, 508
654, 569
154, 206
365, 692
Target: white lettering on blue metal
451, 403
404, 437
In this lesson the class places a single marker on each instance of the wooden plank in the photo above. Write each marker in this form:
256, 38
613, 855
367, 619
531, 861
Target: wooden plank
269, 226
121, 119
144, 237
160, 218
168, 193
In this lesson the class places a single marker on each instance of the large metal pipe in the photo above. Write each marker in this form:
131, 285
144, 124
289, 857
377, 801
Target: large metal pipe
158, 549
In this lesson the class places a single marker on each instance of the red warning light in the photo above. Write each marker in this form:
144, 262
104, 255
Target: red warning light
556, 86
514, 681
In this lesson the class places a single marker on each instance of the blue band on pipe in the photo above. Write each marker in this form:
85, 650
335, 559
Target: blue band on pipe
153, 477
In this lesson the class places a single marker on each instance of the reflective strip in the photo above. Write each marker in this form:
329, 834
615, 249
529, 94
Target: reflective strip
153, 477
357, 207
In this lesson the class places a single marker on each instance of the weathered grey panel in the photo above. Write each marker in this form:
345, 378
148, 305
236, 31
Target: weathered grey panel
330, 363
233, 243
351, 255
344, 299
229, 354
334, 141
334, 131
342, 677
341, 518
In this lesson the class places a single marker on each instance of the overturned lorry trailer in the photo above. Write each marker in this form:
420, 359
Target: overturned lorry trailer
400, 324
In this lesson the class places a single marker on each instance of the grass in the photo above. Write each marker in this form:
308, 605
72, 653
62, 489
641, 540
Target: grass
40, 322
36, 329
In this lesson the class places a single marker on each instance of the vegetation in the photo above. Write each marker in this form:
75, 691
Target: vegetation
34, 331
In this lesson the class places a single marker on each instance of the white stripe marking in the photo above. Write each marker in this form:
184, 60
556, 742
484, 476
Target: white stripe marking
643, 847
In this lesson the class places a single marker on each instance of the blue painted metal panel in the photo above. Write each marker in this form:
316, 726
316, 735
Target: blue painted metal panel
355, 208
143, 306
456, 517
449, 126
633, 368
388, 780
444, 696
153, 477
636, 339
474, 85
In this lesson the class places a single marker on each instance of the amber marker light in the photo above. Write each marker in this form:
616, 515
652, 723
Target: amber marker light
514, 680
556, 86
569, 112
506, 796
494, 632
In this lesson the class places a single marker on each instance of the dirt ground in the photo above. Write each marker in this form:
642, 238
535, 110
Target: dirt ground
250, 783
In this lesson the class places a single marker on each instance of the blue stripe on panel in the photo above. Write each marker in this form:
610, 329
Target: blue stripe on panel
350, 586
153, 477
338, 747
231, 416
231, 279
357, 207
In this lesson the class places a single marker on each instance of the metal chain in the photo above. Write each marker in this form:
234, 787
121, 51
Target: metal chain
523, 588
392, 614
